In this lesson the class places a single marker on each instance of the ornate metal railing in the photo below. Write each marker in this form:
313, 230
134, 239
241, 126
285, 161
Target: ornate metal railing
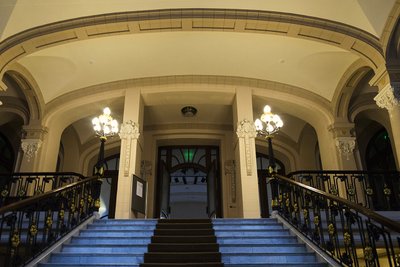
18, 186
32, 225
374, 190
350, 233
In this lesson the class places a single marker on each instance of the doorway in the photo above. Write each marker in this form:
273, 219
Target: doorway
188, 183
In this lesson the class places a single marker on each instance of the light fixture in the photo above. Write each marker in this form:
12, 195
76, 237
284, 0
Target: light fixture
104, 126
268, 123
266, 126
189, 111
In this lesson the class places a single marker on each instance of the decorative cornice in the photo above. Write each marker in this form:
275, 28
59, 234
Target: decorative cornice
388, 97
247, 130
345, 145
30, 147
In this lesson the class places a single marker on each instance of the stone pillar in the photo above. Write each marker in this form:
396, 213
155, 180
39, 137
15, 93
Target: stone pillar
389, 98
344, 150
130, 156
30, 145
245, 154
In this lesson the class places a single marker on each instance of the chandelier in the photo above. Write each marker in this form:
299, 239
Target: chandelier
268, 123
104, 125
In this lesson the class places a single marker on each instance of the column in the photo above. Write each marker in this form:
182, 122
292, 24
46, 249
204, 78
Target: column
345, 142
31, 143
245, 154
131, 150
389, 98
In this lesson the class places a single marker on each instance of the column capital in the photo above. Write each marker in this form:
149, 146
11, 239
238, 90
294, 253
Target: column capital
345, 145
246, 129
388, 97
30, 147
129, 130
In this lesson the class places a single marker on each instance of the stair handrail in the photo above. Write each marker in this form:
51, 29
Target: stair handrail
377, 190
303, 206
20, 185
30, 226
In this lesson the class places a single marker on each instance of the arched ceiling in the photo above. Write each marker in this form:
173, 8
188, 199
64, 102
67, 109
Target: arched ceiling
19, 15
311, 58
314, 66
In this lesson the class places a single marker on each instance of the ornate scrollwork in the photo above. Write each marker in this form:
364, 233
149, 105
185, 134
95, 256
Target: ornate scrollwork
33, 229
387, 191
351, 191
369, 191
15, 240
331, 229
368, 254
247, 130
316, 220
129, 131
346, 145
347, 238
387, 98
30, 147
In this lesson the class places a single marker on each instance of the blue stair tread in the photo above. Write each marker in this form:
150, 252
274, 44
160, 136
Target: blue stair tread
290, 264
85, 265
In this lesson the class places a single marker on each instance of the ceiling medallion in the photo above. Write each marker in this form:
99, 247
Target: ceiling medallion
189, 111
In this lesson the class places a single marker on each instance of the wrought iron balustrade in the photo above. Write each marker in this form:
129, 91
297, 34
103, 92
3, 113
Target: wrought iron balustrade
374, 190
30, 226
350, 233
18, 186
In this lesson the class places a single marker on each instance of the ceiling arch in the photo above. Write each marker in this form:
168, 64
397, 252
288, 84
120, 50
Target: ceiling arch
340, 44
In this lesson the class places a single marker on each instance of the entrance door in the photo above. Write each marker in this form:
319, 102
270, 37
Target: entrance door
165, 191
212, 191
188, 184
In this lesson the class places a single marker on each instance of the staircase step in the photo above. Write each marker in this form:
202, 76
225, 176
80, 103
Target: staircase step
110, 240
99, 258
86, 265
184, 221
183, 232
262, 248
288, 264
247, 233
126, 221
191, 264
114, 248
248, 227
126, 227
115, 233
185, 226
184, 239
247, 258
244, 221
181, 257
183, 247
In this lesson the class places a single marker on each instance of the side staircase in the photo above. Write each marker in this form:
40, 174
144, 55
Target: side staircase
173, 243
